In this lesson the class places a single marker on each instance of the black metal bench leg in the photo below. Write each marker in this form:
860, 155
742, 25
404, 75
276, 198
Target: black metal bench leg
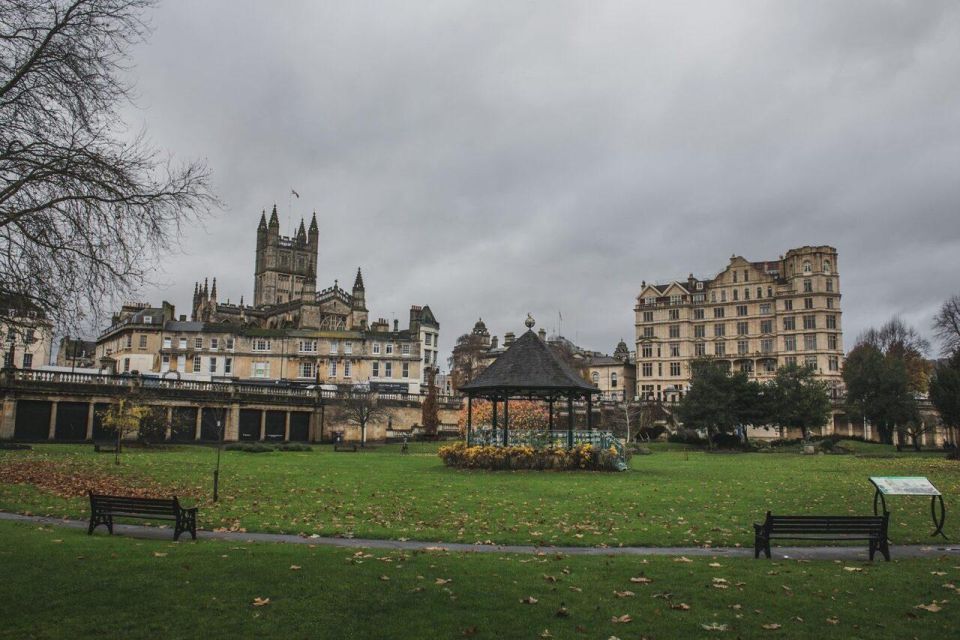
885, 549
873, 549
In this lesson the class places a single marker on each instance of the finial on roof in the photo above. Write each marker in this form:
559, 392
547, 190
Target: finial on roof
530, 322
358, 282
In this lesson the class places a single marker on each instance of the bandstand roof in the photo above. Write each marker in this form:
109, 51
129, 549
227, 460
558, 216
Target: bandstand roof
528, 367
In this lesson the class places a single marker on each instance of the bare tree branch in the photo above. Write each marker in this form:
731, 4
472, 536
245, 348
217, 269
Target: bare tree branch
85, 212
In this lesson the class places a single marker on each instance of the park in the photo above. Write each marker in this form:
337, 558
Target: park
676, 496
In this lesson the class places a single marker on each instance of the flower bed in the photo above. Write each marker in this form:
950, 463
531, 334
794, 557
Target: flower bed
583, 457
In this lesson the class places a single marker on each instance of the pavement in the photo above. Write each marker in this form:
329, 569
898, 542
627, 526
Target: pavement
847, 553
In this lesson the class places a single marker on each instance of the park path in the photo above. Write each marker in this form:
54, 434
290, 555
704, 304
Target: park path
779, 553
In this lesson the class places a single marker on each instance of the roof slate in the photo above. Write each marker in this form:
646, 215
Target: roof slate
529, 365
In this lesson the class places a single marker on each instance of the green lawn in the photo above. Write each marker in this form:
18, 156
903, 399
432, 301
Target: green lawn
61, 583
673, 497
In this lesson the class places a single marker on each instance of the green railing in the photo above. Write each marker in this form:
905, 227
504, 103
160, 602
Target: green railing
542, 439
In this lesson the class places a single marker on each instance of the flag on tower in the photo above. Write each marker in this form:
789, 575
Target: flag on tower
295, 193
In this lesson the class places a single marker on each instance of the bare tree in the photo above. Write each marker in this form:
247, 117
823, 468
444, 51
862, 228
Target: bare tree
84, 208
946, 326
362, 408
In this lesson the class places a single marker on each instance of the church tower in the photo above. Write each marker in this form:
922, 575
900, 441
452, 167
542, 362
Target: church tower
286, 267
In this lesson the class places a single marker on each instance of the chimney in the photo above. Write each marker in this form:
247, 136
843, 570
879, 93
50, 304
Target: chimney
493, 342
396, 325
508, 338
542, 333
183, 318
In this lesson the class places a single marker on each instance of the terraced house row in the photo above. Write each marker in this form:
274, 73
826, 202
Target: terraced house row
291, 332
752, 317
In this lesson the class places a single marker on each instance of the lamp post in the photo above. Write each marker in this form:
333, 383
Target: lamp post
216, 472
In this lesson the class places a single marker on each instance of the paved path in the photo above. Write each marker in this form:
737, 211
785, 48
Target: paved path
779, 553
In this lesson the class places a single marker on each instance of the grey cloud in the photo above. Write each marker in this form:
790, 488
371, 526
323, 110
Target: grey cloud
495, 158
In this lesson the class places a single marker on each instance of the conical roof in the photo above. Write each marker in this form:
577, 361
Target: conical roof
528, 366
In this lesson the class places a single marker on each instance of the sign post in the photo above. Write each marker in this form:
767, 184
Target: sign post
910, 486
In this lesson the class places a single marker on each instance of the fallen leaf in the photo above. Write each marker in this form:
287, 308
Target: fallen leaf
159, 554
529, 600
562, 612
853, 568
714, 565
295, 567
443, 580
933, 607
624, 594
625, 618
833, 620
714, 626
680, 606
385, 578
641, 580
682, 559
549, 578
260, 602
773, 626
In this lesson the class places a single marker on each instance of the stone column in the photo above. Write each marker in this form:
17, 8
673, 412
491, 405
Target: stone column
286, 427
263, 425
52, 431
231, 430
8, 422
168, 433
196, 435
91, 408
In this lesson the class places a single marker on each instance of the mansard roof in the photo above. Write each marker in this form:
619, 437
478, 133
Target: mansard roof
528, 366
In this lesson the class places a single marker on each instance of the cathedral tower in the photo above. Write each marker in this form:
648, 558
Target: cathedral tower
286, 267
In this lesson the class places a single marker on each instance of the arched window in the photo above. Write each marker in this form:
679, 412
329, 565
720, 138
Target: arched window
613, 380
826, 266
596, 377
806, 267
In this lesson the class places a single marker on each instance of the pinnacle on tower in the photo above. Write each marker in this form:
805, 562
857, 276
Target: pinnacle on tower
263, 221
358, 282
301, 232
313, 223
213, 291
206, 291
274, 220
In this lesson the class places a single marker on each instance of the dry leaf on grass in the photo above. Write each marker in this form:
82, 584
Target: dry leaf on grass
680, 606
295, 567
624, 594
933, 607
641, 580
260, 602
625, 618
773, 626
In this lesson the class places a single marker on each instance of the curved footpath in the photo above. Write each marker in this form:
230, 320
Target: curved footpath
779, 553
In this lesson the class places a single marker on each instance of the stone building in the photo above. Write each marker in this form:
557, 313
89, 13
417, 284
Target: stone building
76, 353
615, 376
752, 317
27, 339
291, 332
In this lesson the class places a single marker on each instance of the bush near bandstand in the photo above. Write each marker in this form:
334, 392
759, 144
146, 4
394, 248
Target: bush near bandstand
583, 457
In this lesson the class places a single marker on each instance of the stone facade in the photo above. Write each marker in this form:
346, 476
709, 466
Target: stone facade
291, 332
28, 340
753, 317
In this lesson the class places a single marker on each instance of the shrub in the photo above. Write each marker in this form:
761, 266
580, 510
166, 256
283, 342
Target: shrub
294, 446
14, 446
727, 441
583, 457
687, 436
652, 433
249, 447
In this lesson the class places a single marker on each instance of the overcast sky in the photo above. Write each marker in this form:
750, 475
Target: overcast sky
494, 158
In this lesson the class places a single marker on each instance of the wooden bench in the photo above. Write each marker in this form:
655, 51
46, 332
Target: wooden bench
870, 528
103, 509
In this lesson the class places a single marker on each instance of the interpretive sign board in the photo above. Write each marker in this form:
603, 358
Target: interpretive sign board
904, 486
909, 486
